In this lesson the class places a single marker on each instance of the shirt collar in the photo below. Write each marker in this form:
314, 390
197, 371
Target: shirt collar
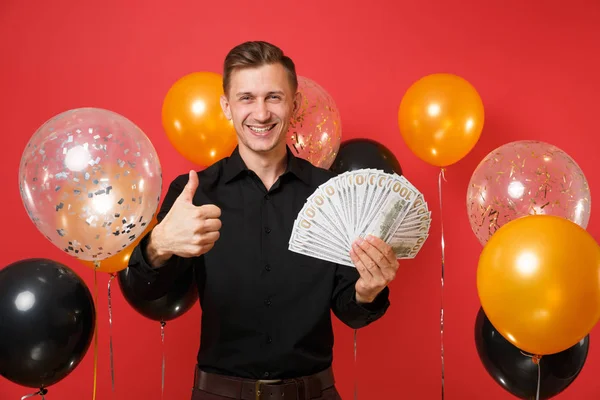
235, 165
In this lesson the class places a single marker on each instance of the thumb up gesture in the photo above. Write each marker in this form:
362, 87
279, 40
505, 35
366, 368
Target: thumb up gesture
188, 230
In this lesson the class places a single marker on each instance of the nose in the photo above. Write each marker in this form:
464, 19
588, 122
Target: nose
261, 112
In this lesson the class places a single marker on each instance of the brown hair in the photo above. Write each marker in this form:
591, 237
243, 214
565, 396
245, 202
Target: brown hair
255, 54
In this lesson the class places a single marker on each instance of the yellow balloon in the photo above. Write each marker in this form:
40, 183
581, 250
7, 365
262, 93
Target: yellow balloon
194, 121
538, 280
441, 118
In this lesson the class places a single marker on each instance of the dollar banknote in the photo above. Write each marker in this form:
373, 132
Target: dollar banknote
358, 203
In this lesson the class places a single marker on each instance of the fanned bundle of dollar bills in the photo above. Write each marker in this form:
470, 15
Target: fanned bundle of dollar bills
359, 203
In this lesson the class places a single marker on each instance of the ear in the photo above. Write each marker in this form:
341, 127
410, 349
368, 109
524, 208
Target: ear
225, 107
297, 102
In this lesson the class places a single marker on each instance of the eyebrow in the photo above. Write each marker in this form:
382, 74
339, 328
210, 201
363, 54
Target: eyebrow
280, 92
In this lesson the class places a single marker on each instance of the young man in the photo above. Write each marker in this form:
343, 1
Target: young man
266, 311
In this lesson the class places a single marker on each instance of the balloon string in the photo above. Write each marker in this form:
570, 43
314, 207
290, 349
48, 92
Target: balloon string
536, 360
96, 265
355, 368
162, 337
443, 244
537, 393
42, 392
110, 338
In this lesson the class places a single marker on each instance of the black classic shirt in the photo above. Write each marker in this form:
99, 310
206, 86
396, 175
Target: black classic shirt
266, 311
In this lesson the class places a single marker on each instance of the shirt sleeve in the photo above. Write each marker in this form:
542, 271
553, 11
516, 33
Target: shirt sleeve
344, 303
147, 281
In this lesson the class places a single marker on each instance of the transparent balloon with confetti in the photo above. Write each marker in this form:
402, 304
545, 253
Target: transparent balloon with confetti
526, 178
315, 131
90, 181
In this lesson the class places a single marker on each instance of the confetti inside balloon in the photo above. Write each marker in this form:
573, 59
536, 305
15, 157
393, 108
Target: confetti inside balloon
526, 178
91, 181
316, 129
120, 261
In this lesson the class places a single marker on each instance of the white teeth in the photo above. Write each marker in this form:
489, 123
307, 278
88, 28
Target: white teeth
260, 130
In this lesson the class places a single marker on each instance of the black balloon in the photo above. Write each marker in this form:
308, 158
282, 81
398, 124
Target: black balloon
365, 153
517, 373
180, 297
47, 321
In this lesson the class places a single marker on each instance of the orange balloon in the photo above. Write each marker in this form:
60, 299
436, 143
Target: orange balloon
194, 121
538, 280
441, 118
120, 260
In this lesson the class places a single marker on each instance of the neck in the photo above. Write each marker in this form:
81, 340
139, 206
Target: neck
269, 166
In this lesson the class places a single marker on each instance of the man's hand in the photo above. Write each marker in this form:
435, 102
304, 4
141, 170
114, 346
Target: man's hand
377, 265
187, 230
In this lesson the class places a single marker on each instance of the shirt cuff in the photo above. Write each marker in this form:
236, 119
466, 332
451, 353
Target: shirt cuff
377, 306
139, 262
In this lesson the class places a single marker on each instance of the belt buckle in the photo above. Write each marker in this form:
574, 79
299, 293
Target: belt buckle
261, 382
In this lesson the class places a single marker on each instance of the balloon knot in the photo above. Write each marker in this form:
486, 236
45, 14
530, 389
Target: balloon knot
43, 391
536, 359
443, 174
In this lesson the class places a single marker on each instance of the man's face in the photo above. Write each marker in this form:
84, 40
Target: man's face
260, 103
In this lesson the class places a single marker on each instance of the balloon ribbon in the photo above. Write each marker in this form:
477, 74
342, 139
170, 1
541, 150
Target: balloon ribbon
539, 369
42, 392
536, 360
97, 265
162, 337
112, 365
442, 176
355, 369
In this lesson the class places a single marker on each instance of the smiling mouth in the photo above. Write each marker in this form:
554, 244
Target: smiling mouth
261, 129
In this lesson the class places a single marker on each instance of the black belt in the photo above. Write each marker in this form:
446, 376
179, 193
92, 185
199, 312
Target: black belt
303, 388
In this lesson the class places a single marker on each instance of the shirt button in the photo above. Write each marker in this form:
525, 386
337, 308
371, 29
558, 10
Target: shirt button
268, 267
268, 230
266, 374
269, 339
267, 197
267, 302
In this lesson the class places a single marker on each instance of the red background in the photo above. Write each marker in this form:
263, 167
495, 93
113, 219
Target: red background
535, 64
